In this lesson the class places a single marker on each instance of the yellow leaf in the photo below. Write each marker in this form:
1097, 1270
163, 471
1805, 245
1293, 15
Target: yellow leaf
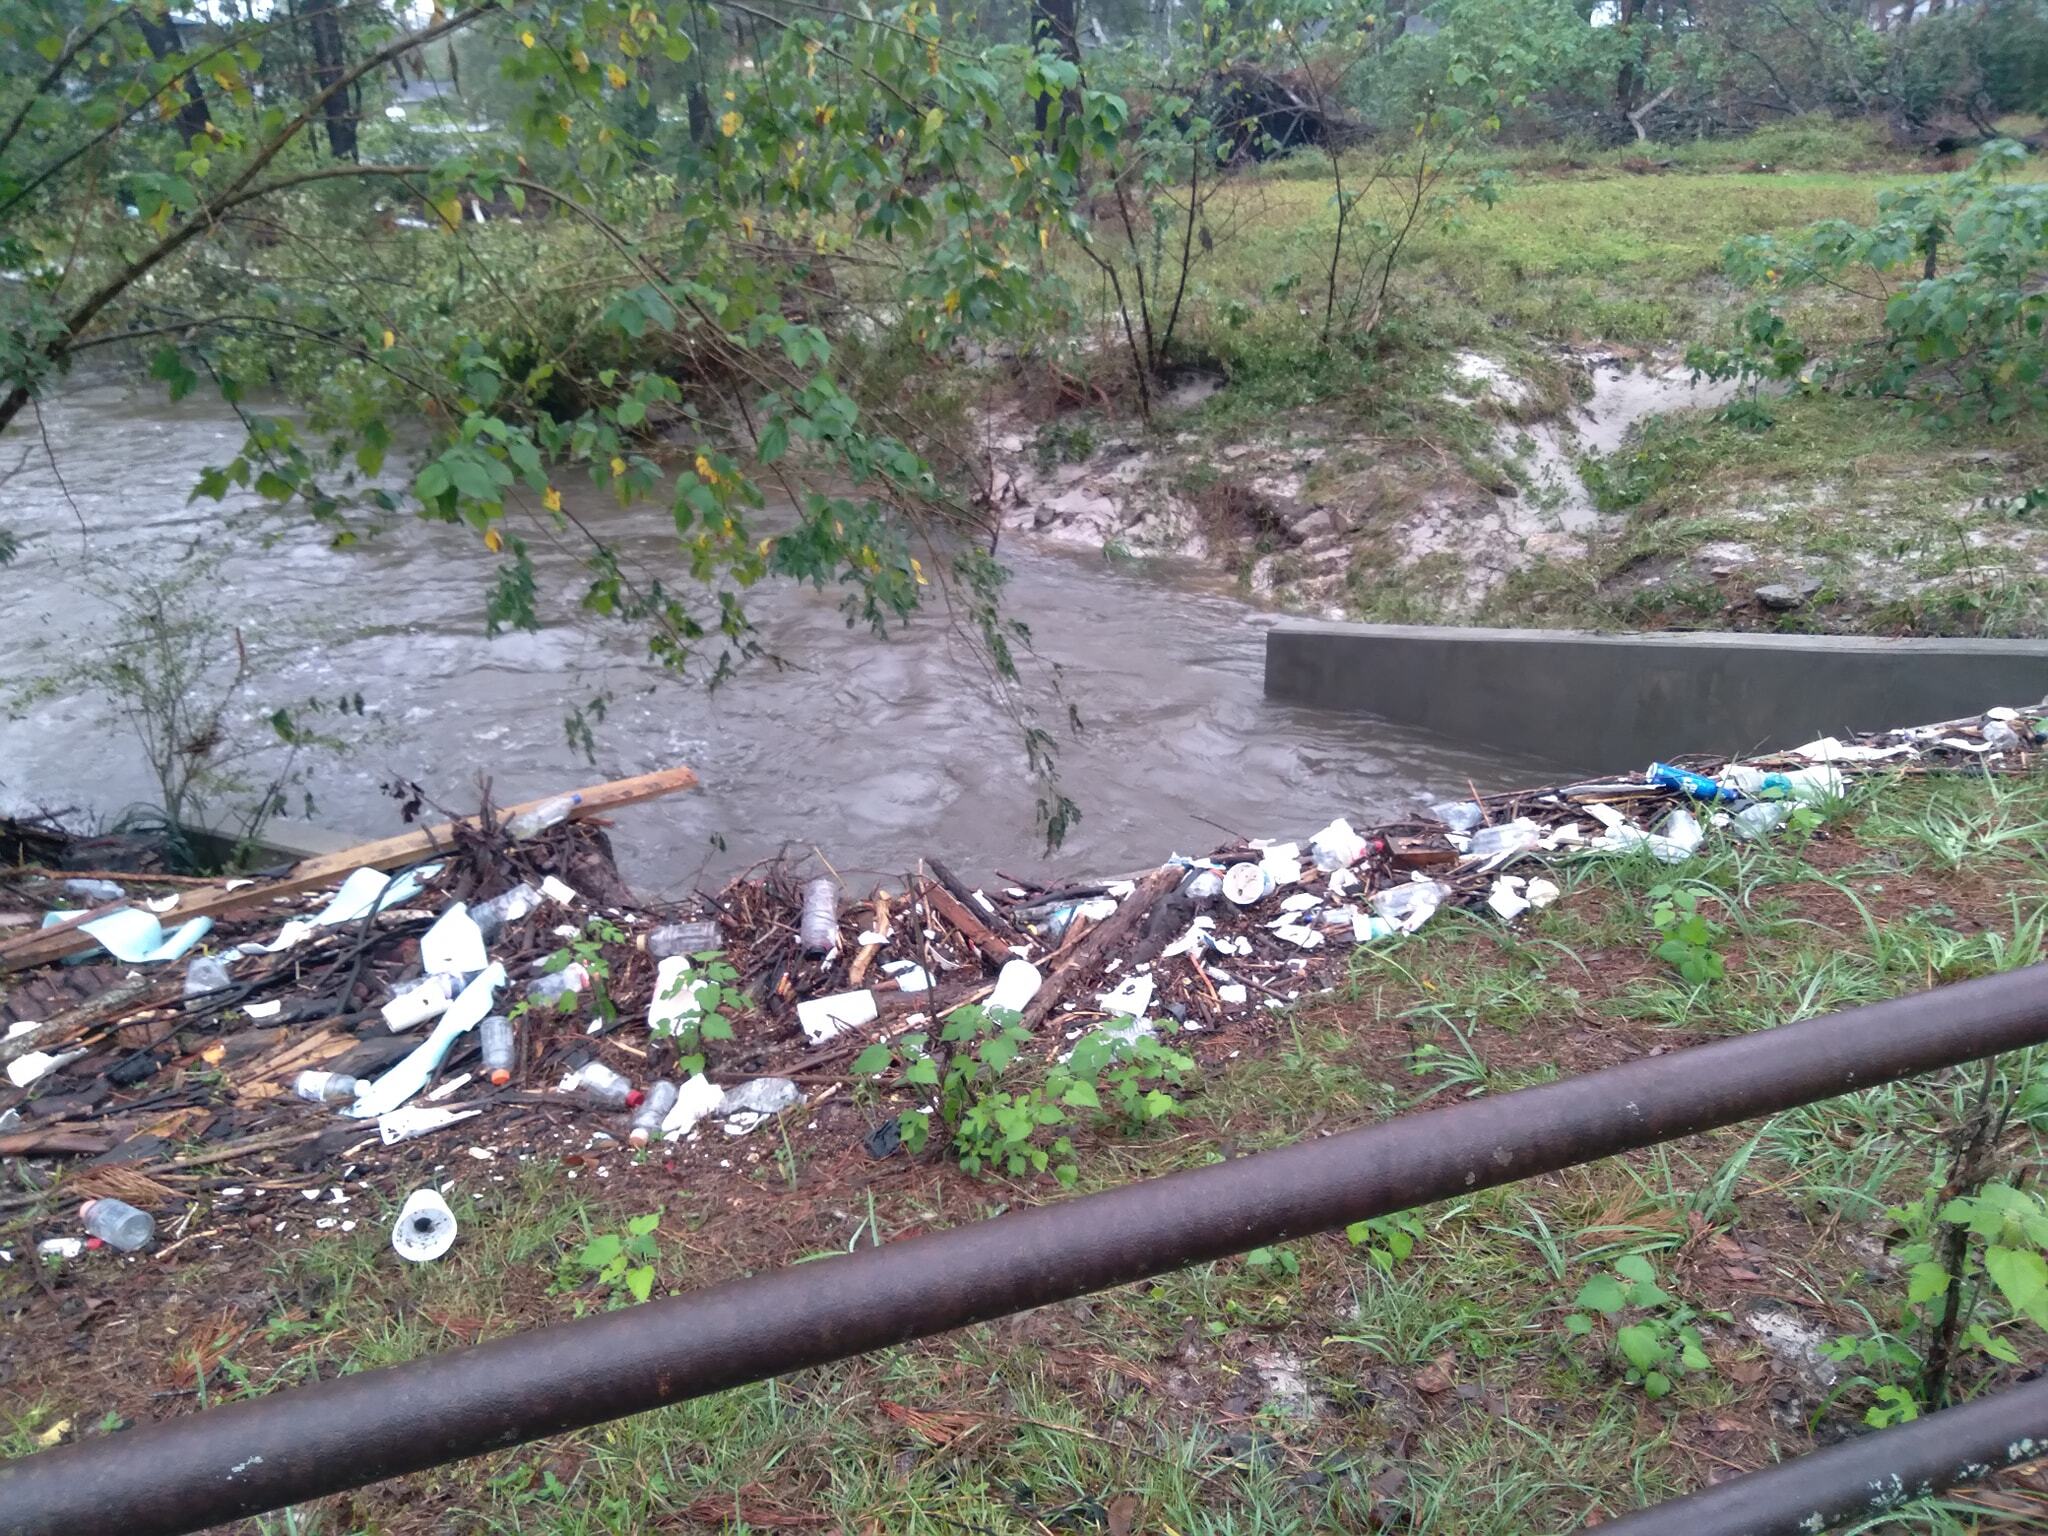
1043, 236
763, 547
934, 120
952, 301
526, 38
1017, 164
616, 75
551, 499
54, 1433
579, 58
618, 466
729, 124
566, 121
494, 541
390, 340
917, 570
747, 225
450, 210
705, 471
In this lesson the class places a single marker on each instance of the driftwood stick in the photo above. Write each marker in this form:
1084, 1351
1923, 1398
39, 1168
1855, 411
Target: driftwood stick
1109, 933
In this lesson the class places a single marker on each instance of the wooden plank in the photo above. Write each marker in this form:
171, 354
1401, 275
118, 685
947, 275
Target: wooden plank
1093, 950
385, 853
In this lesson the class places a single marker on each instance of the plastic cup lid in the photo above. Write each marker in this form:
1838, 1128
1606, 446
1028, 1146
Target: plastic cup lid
1245, 883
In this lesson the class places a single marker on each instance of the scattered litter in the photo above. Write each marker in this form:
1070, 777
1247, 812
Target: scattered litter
752, 1102
419, 1120
1132, 996
1247, 884
1336, 847
137, 937
454, 945
61, 1247
694, 1100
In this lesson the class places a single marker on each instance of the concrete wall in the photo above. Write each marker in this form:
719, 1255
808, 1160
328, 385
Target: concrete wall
1600, 703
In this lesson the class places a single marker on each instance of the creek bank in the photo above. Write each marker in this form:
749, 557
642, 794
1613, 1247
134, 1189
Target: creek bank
118, 1070
1594, 487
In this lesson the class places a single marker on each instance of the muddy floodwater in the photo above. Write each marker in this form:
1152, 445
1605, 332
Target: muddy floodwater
873, 752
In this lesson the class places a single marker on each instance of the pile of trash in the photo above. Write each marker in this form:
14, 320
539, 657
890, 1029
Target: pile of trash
507, 982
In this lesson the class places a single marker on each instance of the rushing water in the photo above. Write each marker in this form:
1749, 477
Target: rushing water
875, 752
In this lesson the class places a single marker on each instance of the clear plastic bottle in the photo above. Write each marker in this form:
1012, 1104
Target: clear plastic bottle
818, 928
571, 978
685, 938
327, 1087
491, 916
661, 1098
117, 1224
604, 1085
549, 813
499, 1047
1507, 837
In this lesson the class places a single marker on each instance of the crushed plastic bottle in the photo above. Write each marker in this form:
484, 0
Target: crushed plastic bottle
1459, 815
569, 980
685, 938
604, 1084
93, 890
327, 1087
1409, 906
499, 1048
206, 973
1336, 847
549, 813
427, 998
818, 927
510, 906
1760, 819
117, 1223
661, 1098
1509, 837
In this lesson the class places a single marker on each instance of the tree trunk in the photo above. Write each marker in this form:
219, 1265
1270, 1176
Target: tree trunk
1627, 79
330, 62
162, 37
1054, 23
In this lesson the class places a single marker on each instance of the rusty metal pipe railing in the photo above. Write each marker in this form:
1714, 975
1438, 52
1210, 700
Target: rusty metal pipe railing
1863, 1478
294, 1445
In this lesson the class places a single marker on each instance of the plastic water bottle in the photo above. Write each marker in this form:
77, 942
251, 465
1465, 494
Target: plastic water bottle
1697, 785
686, 938
818, 928
327, 1087
604, 1085
117, 1224
571, 978
661, 1098
495, 1040
491, 916
1506, 837
549, 813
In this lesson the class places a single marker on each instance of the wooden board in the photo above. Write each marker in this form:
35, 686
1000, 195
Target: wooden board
385, 853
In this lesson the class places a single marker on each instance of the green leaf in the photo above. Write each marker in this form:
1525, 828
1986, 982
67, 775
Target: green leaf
640, 1226
923, 1073
1924, 1282
2022, 1278
631, 412
640, 1282
1641, 1346
433, 482
774, 440
1603, 1293
1634, 1266
1578, 1323
1082, 1096
600, 1251
875, 1058
1656, 1383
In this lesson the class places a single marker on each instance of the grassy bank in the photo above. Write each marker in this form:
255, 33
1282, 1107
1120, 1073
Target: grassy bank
1436, 1387
1890, 525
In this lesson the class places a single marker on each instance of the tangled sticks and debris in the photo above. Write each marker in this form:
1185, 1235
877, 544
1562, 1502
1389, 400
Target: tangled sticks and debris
503, 978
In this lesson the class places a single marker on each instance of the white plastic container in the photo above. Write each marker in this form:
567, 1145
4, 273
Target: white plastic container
427, 998
1016, 984
425, 1228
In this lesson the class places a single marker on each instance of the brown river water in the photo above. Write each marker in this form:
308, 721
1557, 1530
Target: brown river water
874, 752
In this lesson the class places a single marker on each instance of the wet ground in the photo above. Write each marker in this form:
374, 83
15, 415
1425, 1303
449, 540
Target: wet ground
874, 752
